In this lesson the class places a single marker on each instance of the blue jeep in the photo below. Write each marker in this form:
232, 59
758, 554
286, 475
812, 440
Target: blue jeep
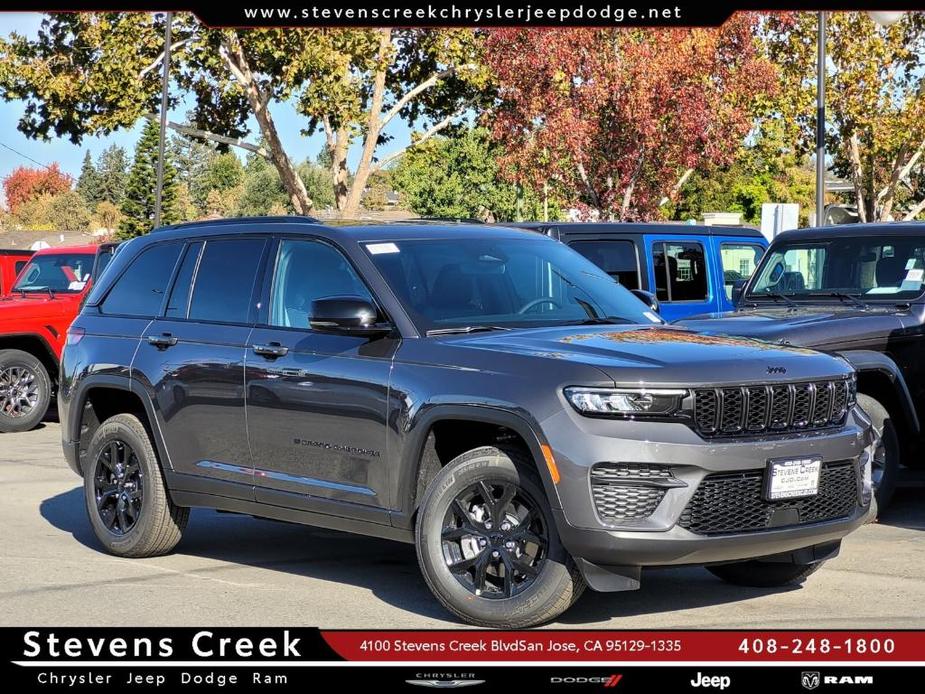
690, 269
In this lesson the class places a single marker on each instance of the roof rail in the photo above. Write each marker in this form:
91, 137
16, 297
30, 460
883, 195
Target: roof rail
232, 221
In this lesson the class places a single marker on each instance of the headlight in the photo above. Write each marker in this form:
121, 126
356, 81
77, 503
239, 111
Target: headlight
643, 402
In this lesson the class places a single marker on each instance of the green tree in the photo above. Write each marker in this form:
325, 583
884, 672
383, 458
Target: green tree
349, 83
139, 201
107, 216
112, 172
459, 177
68, 212
88, 183
875, 102
261, 189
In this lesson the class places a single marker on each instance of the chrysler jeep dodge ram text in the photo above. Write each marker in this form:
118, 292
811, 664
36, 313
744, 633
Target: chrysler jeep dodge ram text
485, 393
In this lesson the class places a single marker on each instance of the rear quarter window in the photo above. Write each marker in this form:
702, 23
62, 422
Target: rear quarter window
140, 289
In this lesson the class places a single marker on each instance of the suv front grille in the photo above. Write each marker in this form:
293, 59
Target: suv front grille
629, 491
735, 503
774, 409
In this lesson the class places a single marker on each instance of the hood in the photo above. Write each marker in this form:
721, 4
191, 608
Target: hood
17, 308
820, 327
662, 355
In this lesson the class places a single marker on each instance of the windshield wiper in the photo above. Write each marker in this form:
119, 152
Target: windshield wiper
464, 329
777, 296
850, 298
609, 320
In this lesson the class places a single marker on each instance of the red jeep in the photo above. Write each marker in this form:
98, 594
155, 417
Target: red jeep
34, 318
11, 264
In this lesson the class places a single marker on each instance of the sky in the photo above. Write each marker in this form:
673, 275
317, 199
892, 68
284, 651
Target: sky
70, 156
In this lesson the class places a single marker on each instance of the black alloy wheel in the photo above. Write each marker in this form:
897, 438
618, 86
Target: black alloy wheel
118, 485
494, 539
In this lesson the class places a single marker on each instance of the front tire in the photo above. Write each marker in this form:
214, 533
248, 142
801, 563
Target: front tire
487, 544
760, 574
126, 499
885, 468
25, 391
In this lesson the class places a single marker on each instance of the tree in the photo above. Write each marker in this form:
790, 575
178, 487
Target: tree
25, 184
458, 176
614, 119
139, 201
88, 183
68, 212
112, 171
349, 83
875, 102
107, 216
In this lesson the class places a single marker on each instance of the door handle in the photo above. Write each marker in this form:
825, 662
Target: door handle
162, 341
271, 351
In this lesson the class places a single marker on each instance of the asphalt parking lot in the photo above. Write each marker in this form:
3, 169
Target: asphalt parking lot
235, 570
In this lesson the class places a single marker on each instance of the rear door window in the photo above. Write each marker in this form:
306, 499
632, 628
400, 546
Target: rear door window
139, 292
680, 271
617, 258
224, 284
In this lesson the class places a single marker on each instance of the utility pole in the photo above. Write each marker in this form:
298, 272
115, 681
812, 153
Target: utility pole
165, 86
820, 122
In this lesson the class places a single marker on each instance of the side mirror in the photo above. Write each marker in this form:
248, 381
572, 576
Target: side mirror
347, 315
648, 298
737, 288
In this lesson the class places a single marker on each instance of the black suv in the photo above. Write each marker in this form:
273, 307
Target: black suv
857, 290
485, 393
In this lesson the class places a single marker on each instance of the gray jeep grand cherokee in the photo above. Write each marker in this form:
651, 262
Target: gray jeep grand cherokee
485, 393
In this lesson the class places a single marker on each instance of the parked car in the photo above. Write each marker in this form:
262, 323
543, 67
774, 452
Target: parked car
11, 264
486, 394
34, 318
855, 290
690, 269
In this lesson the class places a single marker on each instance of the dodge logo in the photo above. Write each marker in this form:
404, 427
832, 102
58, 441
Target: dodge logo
809, 680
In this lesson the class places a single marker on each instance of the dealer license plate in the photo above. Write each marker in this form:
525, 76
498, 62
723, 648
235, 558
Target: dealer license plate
793, 478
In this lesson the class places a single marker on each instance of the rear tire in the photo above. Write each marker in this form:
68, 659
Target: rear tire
886, 458
519, 574
25, 391
126, 499
760, 574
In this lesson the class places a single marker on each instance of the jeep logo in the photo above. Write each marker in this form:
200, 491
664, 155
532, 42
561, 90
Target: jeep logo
776, 370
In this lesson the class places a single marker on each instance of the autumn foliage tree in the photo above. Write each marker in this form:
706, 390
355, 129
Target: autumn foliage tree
616, 119
25, 184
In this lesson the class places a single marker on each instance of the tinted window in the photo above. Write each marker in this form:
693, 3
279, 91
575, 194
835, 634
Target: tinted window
875, 267
616, 258
305, 271
506, 282
19, 265
140, 289
66, 273
178, 303
739, 261
680, 271
225, 281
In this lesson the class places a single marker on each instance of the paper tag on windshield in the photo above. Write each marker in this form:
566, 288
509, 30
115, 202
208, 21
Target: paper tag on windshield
652, 317
76, 286
915, 275
380, 248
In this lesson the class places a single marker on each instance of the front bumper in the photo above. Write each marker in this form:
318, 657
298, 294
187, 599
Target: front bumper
578, 443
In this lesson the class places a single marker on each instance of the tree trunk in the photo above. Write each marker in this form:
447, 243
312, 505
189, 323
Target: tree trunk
857, 177
237, 62
373, 129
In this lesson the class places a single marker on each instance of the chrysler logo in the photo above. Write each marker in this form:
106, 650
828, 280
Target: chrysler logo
776, 370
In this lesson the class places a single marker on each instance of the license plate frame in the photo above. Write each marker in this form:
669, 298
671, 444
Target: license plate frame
804, 483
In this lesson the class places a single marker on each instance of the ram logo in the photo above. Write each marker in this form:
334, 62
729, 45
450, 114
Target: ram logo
809, 680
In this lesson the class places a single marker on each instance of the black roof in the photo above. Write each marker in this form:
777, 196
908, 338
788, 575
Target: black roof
868, 229
569, 228
356, 231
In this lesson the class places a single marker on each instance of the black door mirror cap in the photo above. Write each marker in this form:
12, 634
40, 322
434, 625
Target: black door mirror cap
737, 288
648, 298
347, 315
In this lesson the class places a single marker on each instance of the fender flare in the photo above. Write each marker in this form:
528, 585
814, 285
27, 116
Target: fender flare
50, 353
79, 401
521, 424
867, 360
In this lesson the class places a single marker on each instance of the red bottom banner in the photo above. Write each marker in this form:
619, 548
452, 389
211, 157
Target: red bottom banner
629, 646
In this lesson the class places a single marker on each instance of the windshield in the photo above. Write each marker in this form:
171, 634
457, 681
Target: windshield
502, 282
65, 273
882, 267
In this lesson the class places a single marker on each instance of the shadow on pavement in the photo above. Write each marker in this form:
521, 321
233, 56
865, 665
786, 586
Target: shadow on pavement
907, 510
388, 569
